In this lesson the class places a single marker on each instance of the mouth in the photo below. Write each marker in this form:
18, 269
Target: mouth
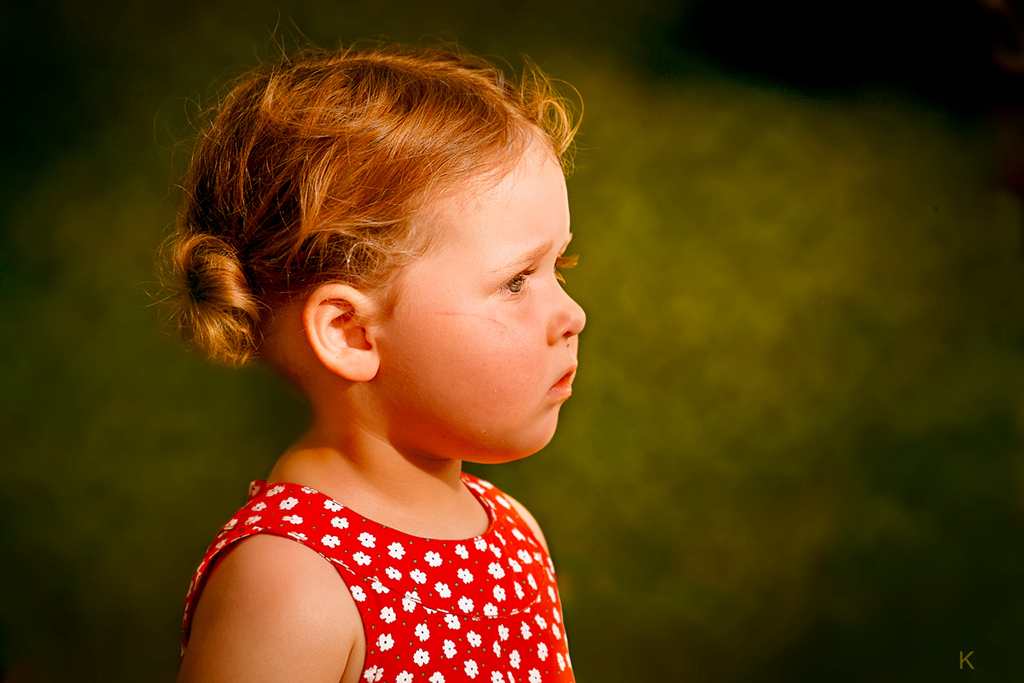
563, 387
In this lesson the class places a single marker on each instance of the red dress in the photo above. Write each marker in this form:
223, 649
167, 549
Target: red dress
481, 610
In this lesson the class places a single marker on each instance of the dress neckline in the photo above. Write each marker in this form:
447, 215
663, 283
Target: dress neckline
475, 485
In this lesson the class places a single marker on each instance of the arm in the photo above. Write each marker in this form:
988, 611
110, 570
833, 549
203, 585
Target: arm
273, 610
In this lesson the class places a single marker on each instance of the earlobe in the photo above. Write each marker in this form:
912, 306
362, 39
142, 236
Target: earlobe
336, 318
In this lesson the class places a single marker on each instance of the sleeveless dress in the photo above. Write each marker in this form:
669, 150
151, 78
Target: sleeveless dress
480, 610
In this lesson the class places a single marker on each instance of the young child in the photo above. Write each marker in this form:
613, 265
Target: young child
385, 227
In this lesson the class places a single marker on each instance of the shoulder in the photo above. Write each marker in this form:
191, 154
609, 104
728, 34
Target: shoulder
488, 489
272, 610
530, 521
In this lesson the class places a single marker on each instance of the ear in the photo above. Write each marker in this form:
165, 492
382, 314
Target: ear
336, 320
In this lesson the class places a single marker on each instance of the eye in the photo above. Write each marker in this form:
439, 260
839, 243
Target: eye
516, 284
564, 263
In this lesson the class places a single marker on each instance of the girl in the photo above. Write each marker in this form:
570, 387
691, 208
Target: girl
385, 227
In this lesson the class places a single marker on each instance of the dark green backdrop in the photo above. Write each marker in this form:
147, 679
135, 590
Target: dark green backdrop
794, 452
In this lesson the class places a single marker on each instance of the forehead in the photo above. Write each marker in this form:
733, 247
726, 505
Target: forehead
522, 202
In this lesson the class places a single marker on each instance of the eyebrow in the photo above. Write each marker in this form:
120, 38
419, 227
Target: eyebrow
531, 255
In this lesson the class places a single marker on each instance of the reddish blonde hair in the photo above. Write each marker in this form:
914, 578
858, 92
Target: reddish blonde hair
313, 168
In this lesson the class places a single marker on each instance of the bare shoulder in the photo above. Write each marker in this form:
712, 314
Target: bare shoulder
273, 610
528, 518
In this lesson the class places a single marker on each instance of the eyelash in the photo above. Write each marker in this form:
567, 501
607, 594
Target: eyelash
565, 263
515, 285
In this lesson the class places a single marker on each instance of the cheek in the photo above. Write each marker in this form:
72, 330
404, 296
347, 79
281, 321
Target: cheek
468, 362
481, 354
471, 386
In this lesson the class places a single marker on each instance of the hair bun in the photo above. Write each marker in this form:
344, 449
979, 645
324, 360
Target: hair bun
216, 310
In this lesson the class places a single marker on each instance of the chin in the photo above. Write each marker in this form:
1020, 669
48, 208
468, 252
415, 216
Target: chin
508, 450
482, 457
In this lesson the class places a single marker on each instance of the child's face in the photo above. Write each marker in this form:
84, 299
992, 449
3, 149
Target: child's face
481, 350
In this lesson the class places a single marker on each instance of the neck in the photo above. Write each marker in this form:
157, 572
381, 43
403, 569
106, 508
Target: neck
420, 495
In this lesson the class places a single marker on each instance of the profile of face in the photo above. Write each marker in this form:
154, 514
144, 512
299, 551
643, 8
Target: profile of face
480, 352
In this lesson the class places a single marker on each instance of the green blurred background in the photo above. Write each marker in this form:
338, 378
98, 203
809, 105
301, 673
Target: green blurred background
794, 449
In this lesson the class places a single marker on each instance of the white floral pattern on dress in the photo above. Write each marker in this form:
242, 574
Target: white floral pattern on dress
480, 610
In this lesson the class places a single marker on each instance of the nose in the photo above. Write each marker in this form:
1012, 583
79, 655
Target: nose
568, 319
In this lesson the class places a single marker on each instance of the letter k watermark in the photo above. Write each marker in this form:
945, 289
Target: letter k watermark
966, 658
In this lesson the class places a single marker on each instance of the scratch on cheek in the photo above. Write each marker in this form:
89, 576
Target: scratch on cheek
474, 315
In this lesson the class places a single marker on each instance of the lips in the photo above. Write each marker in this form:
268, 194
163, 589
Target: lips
563, 387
